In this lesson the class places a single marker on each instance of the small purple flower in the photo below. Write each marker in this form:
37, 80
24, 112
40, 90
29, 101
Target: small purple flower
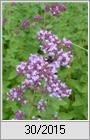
55, 9
47, 8
25, 23
19, 115
21, 68
37, 18
62, 8
17, 95
41, 106
65, 58
57, 89
67, 43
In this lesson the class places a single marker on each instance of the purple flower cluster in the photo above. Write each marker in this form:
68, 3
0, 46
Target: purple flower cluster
50, 47
59, 58
57, 89
19, 115
49, 37
17, 95
67, 43
37, 18
55, 9
41, 106
37, 69
34, 70
24, 24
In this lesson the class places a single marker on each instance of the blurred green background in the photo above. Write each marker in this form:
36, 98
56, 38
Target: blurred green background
19, 43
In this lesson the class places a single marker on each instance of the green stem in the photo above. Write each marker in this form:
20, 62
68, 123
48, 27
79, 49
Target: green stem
80, 47
44, 19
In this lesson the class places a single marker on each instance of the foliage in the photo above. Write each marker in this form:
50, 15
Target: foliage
19, 43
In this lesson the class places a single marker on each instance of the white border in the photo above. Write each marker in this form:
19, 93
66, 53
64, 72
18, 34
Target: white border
2, 63
20, 1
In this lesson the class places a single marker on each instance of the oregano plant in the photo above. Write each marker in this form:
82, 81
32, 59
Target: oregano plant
40, 71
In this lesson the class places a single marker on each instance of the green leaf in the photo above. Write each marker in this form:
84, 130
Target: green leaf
78, 101
66, 116
12, 74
